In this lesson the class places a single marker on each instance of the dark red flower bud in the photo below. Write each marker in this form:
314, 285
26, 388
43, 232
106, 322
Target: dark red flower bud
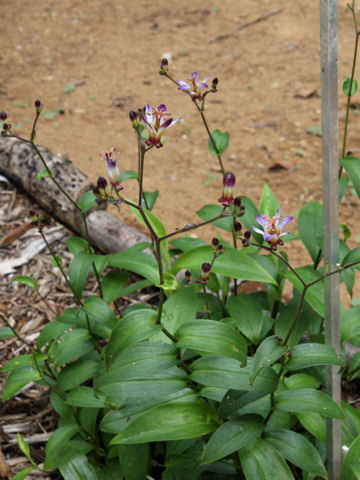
237, 227
96, 191
187, 274
229, 181
214, 83
205, 267
102, 183
133, 115
237, 202
164, 66
3, 116
247, 234
215, 242
221, 249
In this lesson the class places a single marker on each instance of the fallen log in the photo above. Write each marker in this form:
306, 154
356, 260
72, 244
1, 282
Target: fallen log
20, 163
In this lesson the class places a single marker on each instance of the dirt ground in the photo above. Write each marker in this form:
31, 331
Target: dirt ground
268, 94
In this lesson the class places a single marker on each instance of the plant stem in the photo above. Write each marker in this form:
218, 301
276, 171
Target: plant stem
357, 33
206, 302
201, 111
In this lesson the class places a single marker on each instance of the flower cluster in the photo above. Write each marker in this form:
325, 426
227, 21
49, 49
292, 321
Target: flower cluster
273, 228
6, 126
156, 121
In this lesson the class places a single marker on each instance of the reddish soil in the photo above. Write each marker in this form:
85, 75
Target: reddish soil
111, 52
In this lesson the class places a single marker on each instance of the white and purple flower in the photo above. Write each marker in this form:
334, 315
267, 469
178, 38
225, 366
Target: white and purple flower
110, 158
273, 228
195, 86
155, 119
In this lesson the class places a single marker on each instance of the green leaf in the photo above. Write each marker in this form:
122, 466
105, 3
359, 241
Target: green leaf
268, 202
225, 372
56, 261
59, 438
51, 331
298, 450
350, 324
170, 283
352, 168
43, 173
267, 353
261, 461
102, 318
314, 130
70, 87
128, 175
247, 313
209, 336
315, 294
76, 245
180, 308
137, 262
24, 447
310, 225
307, 355
352, 256
134, 327
300, 380
6, 332
87, 201
172, 421
134, 460
207, 212
351, 426
23, 474
221, 141
79, 270
18, 379
85, 397
233, 263
78, 468
23, 361
351, 458
346, 86
150, 199
232, 436
76, 373
70, 346
112, 284
30, 282
314, 423
308, 400
343, 183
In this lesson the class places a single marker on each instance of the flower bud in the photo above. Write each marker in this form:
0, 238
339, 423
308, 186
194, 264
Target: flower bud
247, 235
221, 249
214, 83
215, 242
102, 183
205, 270
164, 66
229, 181
3, 116
134, 118
237, 202
237, 229
38, 106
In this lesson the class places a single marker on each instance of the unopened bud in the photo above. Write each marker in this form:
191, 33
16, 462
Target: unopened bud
38, 106
214, 83
237, 202
101, 183
164, 66
237, 229
215, 242
221, 249
3, 116
205, 270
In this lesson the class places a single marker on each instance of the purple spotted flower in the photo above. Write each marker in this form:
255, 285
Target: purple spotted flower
156, 121
110, 157
194, 86
273, 228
